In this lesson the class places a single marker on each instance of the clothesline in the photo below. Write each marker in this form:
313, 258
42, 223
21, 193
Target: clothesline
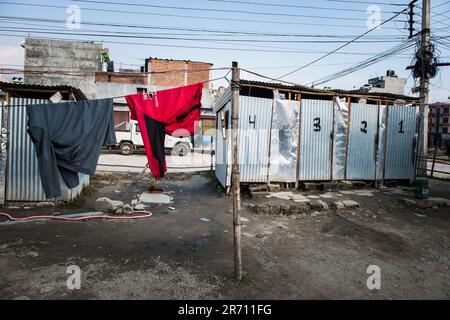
76, 73
220, 78
116, 97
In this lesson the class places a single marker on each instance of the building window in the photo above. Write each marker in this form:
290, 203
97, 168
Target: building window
141, 90
446, 110
445, 130
445, 120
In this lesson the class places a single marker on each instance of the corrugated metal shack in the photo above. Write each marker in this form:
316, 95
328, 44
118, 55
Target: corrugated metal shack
295, 133
19, 173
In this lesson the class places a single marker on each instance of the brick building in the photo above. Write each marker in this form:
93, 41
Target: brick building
156, 74
439, 112
176, 73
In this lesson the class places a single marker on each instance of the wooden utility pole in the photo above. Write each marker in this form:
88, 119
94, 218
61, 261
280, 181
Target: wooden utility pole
424, 91
235, 181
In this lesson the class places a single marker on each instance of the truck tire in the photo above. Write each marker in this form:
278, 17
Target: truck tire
181, 149
126, 148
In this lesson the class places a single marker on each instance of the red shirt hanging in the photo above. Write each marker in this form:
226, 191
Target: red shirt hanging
172, 111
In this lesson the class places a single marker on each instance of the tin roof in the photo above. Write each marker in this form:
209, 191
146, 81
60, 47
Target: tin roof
40, 91
305, 89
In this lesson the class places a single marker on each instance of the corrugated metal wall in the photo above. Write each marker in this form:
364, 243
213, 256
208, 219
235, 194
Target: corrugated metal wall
223, 146
400, 142
361, 152
23, 182
254, 123
315, 139
365, 158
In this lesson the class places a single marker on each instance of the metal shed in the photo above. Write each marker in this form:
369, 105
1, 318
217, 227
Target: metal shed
296, 133
20, 180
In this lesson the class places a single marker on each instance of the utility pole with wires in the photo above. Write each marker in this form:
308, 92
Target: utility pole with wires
425, 67
426, 54
235, 180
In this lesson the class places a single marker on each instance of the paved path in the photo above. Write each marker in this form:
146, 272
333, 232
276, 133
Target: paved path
136, 162
440, 167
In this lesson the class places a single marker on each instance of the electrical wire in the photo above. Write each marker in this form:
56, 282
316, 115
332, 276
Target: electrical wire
277, 5
106, 35
293, 51
195, 29
218, 10
180, 16
365, 63
339, 48
20, 21
440, 5
122, 96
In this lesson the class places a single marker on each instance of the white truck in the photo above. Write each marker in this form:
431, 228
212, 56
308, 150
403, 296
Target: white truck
129, 138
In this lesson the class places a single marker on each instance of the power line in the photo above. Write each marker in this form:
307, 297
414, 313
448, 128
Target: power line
190, 29
368, 2
365, 63
185, 16
44, 70
215, 32
440, 5
288, 5
215, 10
105, 35
344, 45
196, 47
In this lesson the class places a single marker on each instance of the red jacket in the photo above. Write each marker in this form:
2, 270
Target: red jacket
172, 111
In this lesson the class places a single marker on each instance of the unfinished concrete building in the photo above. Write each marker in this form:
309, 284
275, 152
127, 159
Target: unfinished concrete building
56, 62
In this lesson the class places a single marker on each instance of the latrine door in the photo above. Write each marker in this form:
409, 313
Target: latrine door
316, 122
361, 152
401, 129
254, 133
223, 151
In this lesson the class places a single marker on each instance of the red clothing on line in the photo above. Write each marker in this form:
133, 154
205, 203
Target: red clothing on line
172, 111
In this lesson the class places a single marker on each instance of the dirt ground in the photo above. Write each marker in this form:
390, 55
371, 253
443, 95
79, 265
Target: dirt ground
187, 253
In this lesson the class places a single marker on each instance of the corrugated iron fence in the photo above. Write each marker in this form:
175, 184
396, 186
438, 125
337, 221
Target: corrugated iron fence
359, 141
23, 182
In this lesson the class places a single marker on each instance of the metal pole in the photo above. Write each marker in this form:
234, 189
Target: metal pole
235, 171
212, 152
435, 139
424, 90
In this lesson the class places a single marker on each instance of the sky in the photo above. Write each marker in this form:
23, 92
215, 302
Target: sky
269, 37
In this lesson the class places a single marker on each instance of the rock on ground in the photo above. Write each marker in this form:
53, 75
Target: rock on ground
350, 204
127, 209
338, 205
103, 204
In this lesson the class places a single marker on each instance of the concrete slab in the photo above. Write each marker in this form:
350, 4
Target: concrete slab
148, 197
285, 195
350, 204
300, 198
327, 196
